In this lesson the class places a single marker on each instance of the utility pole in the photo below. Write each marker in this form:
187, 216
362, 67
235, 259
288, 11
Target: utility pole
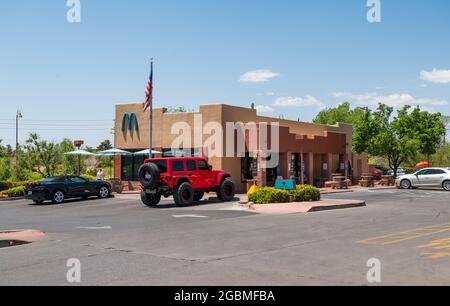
16, 155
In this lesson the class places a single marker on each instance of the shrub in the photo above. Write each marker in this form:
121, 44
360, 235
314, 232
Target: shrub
302, 193
306, 193
9, 185
14, 192
270, 195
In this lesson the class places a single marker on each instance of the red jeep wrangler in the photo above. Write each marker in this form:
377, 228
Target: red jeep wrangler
187, 179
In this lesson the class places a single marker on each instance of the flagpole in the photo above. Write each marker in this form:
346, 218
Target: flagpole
151, 116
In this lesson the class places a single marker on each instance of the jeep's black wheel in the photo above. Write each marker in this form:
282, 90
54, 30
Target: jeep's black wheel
150, 199
184, 194
226, 191
198, 196
149, 175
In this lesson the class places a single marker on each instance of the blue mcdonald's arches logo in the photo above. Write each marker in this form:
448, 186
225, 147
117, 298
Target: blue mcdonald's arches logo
129, 123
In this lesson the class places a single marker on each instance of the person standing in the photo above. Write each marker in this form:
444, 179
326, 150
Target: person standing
100, 175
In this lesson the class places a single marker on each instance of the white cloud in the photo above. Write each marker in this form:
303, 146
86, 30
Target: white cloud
423, 85
396, 100
436, 76
258, 76
264, 109
307, 101
269, 94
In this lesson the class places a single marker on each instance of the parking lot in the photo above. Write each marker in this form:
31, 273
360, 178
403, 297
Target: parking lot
121, 242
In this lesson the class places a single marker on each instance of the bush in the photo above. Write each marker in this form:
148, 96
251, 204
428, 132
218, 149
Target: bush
9, 185
14, 192
270, 195
305, 193
302, 193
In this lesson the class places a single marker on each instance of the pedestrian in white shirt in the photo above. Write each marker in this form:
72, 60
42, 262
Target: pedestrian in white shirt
100, 175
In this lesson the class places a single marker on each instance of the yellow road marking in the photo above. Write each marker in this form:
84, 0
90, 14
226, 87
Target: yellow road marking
407, 235
440, 246
437, 255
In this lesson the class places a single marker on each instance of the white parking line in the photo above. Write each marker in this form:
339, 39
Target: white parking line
189, 216
95, 228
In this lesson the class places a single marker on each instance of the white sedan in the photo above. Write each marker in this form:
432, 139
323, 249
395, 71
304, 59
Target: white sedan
430, 177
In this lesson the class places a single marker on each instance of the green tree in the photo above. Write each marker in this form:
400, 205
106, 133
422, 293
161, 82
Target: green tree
442, 157
341, 113
105, 145
44, 156
398, 139
428, 128
105, 161
446, 123
2, 149
68, 162
5, 168
179, 109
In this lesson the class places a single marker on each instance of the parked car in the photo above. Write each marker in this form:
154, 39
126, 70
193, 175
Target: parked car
430, 177
58, 189
187, 179
400, 172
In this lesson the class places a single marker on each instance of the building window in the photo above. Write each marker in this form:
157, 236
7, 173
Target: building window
131, 165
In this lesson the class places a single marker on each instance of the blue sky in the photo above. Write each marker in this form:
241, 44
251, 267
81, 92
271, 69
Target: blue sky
290, 58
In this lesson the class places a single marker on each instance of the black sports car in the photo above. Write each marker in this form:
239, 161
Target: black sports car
58, 189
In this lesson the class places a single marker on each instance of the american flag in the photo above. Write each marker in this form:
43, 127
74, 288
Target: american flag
149, 91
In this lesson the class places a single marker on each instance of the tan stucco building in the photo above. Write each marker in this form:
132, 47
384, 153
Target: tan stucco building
321, 149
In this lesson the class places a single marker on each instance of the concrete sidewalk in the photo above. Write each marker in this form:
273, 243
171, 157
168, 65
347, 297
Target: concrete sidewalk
355, 189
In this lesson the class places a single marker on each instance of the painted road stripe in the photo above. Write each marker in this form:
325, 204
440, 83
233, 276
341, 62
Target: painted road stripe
95, 228
189, 216
407, 235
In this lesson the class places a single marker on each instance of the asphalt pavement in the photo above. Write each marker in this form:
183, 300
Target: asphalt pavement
119, 241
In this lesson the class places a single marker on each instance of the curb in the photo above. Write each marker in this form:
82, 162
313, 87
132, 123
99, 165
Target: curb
11, 199
335, 207
338, 191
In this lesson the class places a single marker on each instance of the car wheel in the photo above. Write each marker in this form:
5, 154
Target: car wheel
446, 185
150, 200
184, 194
58, 197
405, 184
226, 191
38, 202
149, 175
104, 192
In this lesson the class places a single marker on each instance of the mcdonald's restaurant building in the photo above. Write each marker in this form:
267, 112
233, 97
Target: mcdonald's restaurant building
308, 152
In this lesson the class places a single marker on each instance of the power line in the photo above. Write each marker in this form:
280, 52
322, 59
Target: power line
57, 130
60, 120
56, 125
